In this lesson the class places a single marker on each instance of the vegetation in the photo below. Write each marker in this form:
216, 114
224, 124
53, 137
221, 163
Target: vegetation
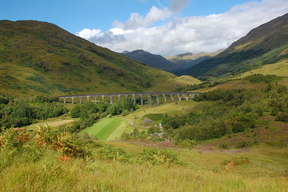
109, 128
18, 113
222, 112
259, 78
46, 160
90, 112
34, 57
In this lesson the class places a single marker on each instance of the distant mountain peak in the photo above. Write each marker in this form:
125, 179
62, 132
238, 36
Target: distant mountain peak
184, 54
153, 60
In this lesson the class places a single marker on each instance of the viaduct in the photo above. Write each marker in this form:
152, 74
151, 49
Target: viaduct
179, 96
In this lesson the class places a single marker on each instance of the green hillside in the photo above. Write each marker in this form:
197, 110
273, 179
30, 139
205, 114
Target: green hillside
156, 61
40, 58
266, 44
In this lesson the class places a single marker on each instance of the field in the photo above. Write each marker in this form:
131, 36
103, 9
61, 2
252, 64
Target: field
280, 69
173, 108
112, 128
108, 128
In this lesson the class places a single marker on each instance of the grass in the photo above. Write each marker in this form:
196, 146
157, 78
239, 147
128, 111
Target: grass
174, 108
280, 69
265, 172
107, 128
52, 122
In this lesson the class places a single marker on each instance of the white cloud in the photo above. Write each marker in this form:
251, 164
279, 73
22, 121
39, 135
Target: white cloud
89, 33
155, 14
190, 34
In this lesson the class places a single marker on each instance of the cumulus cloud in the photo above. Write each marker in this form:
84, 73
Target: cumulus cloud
155, 14
89, 33
185, 34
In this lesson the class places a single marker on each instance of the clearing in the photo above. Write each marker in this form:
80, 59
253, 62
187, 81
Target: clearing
109, 128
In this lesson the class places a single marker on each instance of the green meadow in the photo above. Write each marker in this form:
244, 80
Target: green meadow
107, 128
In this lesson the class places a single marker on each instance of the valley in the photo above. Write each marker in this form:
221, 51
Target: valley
75, 116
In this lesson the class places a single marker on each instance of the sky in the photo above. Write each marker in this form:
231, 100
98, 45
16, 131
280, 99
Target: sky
166, 27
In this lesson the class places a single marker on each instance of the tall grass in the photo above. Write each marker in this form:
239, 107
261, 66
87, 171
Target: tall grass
47, 161
50, 174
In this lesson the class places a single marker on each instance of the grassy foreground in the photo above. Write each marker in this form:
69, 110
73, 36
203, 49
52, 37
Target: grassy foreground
50, 175
204, 172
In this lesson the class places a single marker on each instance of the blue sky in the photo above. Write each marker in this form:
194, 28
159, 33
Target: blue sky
74, 15
160, 26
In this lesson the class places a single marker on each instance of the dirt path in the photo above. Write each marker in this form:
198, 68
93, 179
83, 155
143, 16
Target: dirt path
130, 122
51, 123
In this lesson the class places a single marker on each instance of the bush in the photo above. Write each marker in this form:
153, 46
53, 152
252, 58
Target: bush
60, 141
159, 157
108, 153
259, 78
3, 100
230, 97
236, 161
223, 146
154, 129
282, 116
243, 144
45, 99
75, 112
125, 112
186, 143
48, 110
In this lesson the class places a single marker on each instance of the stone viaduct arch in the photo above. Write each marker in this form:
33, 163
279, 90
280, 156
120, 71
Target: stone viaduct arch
166, 96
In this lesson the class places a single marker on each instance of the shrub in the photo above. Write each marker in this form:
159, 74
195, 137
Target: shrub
236, 161
15, 138
83, 111
159, 157
75, 112
282, 116
108, 153
3, 100
259, 78
243, 144
63, 142
45, 99
125, 112
48, 110
154, 129
223, 146
186, 143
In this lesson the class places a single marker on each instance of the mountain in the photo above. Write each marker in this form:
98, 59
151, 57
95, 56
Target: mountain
187, 60
153, 60
266, 44
41, 58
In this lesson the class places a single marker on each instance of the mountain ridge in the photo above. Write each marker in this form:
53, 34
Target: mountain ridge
42, 58
263, 45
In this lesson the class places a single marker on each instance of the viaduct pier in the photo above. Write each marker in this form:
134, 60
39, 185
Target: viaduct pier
141, 97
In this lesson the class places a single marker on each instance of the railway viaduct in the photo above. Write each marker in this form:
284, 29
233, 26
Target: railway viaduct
171, 95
